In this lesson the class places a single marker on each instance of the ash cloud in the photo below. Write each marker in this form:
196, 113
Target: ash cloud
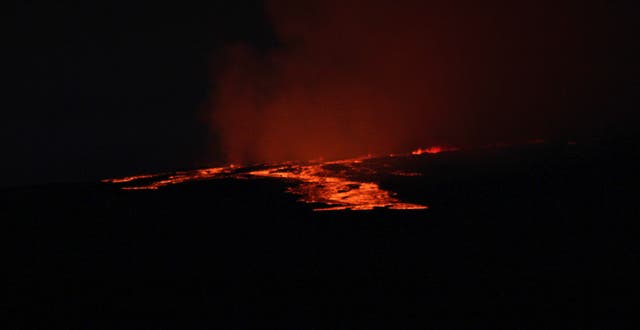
349, 78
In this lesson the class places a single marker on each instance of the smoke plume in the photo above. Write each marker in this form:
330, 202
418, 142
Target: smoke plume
348, 78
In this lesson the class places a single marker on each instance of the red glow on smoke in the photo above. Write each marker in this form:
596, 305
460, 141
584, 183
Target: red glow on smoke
357, 77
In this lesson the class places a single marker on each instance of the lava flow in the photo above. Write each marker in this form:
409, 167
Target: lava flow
328, 186
433, 150
320, 185
155, 181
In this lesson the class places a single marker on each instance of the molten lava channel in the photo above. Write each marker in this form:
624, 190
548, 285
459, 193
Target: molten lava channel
317, 183
321, 186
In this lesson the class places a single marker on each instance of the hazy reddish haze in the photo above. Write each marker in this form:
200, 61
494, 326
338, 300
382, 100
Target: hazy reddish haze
358, 77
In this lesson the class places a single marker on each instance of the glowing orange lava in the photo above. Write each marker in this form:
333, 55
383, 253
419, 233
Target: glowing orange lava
433, 150
139, 182
130, 178
320, 186
329, 186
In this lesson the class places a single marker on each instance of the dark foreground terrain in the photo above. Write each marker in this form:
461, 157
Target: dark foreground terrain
529, 237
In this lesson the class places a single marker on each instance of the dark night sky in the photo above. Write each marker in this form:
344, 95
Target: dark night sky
105, 88
101, 88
